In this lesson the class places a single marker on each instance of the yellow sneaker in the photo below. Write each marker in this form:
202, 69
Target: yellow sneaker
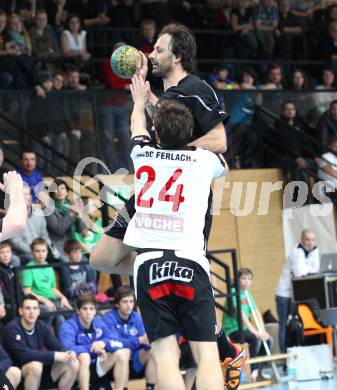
232, 368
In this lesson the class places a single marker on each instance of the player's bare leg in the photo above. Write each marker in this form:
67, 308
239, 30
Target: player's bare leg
166, 355
112, 256
209, 373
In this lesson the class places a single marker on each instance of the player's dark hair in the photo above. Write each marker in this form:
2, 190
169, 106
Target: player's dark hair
84, 299
174, 123
332, 104
245, 272
28, 297
122, 292
182, 44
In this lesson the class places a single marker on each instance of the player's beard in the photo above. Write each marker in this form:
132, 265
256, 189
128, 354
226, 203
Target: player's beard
161, 71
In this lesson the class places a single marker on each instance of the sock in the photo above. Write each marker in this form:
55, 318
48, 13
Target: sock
225, 346
150, 386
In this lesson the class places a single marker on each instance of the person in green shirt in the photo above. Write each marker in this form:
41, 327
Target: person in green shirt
252, 335
41, 282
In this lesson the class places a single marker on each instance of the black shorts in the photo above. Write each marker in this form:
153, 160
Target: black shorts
175, 295
120, 225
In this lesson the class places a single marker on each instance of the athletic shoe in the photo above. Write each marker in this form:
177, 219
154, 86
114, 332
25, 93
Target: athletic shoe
232, 367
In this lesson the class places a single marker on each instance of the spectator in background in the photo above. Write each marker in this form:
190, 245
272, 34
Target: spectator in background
44, 44
220, 82
61, 222
304, 259
304, 11
146, 39
129, 328
97, 346
17, 34
254, 333
36, 227
290, 129
30, 175
2, 309
328, 84
87, 236
58, 81
298, 81
274, 78
7, 283
265, 21
33, 347
77, 278
329, 46
287, 44
74, 41
41, 282
328, 168
114, 120
12, 373
6, 77
327, 124
242, 22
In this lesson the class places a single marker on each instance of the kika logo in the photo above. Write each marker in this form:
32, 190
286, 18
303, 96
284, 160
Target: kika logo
170, 270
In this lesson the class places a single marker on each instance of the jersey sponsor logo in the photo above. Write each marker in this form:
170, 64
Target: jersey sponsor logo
170, 270
159, 222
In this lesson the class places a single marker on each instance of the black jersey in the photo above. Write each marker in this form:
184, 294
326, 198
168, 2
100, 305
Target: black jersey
201, 99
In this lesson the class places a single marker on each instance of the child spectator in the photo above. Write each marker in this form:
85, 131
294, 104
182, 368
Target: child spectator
87, 237
97, 346
62, 220
36, 227
34, 348
58, 81
12, 373
130, 330
253, 334
77, 278
7, 263
41, 282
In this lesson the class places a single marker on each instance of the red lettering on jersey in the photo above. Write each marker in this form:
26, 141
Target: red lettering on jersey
151, 175
176, 198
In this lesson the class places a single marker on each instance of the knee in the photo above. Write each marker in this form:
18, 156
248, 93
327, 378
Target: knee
32, 369
84, 360
14, 374
74, 367
123, 355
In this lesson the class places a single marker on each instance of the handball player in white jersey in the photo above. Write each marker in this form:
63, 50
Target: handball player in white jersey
173, 60
171, 271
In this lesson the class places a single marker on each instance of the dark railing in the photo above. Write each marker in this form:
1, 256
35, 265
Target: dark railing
229, 280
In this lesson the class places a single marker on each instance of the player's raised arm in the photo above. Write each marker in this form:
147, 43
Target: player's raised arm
139, 91
215, 140
16, 216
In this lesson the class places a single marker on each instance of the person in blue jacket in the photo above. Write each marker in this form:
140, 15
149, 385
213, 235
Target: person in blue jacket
34, 348
97, 347
131, 332
13, 374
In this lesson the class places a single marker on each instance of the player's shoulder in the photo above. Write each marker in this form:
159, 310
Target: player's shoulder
142, 141
207, 154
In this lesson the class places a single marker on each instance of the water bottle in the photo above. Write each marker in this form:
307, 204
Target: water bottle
291, 370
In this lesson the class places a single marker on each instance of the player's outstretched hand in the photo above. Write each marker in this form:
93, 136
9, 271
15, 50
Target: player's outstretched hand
139, 90
142, 66
12, 180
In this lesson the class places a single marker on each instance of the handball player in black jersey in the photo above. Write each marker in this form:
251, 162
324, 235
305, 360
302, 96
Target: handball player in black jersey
173, 60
